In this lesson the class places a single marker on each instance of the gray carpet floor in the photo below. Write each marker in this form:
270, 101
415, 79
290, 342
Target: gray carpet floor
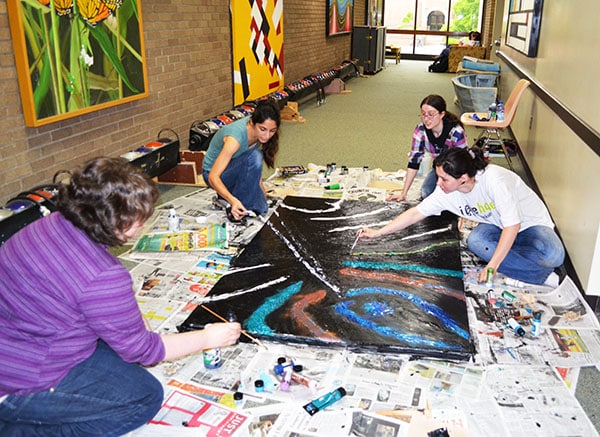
371, 125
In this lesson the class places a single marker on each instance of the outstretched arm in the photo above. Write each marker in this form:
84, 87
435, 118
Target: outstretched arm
212, 336
230, 147
411, 173
404, 220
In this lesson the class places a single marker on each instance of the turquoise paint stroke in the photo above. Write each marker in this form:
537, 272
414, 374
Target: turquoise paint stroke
257, 322
343, 309
411, 267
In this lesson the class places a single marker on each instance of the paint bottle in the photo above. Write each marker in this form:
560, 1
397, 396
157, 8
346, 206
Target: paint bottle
334, 187
173, 220
491, 297
506, 295
238, 398
286, 379
536, 327
231, 317
211, 357
259, 385
489, 278
513, 282
324, 401
516, 327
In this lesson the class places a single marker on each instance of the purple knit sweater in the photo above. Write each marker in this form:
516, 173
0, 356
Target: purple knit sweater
59, 293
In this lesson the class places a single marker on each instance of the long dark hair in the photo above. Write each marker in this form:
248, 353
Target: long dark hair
457, 161
268, 110
105, 197
439, 103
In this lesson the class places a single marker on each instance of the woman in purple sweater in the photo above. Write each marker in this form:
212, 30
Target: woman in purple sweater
72, 338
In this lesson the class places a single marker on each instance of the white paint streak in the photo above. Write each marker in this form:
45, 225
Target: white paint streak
435, 231
350, 217
352, 228
335, 206
241, 269
316, 272
246, 291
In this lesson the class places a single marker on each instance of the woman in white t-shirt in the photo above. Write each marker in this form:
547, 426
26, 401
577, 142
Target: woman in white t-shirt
515, 235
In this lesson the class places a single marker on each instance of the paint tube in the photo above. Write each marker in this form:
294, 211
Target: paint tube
305, 380
324, 401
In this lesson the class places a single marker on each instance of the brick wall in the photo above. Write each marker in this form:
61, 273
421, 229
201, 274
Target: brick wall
188, 55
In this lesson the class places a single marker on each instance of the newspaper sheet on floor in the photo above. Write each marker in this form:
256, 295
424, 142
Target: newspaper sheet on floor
514, 386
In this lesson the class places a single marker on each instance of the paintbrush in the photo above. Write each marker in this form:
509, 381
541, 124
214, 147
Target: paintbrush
356, 241
255, 340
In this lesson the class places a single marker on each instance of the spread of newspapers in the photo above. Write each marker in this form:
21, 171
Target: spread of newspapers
530, 343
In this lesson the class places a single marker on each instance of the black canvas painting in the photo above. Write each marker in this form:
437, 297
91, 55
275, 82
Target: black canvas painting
299, 280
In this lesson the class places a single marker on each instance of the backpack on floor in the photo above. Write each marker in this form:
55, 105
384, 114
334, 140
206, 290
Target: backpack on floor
440, 65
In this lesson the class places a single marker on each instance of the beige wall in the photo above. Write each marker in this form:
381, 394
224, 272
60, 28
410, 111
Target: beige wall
566, 169
188, 54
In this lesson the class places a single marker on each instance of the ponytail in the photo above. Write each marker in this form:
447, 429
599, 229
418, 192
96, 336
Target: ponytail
457, 161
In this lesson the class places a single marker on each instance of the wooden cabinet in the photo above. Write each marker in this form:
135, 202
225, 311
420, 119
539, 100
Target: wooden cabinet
368, 47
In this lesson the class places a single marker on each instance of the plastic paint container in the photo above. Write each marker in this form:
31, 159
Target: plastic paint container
212, 358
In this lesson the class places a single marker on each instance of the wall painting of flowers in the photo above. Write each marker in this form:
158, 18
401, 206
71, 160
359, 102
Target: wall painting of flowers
77, 56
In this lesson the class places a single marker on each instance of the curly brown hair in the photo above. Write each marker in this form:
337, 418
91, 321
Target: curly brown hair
105, 197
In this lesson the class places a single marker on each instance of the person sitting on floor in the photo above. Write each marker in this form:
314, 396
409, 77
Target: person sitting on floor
438, 130
72, 337
233, 163
515, 235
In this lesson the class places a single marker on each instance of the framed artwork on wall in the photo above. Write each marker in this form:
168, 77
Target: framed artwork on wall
524, 22
257, 44
340, 14
76, 57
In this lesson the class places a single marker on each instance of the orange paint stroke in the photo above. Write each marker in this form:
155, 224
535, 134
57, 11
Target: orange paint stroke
299, 314
393, 277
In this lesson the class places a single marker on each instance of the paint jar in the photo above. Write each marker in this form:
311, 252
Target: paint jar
259, 385
238, 398
212, 358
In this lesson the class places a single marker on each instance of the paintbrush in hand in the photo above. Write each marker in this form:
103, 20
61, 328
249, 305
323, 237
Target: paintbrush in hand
255, 340
356, 241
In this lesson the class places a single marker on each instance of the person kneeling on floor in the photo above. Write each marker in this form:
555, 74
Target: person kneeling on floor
72, 337
515, 235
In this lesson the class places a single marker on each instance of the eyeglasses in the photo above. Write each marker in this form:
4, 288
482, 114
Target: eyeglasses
429, 114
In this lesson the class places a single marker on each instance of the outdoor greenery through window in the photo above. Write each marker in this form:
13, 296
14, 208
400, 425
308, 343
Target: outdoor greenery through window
425, 27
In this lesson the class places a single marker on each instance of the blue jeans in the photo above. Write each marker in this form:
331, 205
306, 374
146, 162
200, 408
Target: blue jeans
242, 179
429, 184
534, 255
102, 396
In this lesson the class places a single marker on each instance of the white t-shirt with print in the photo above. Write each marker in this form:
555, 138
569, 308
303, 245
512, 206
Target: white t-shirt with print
499, 197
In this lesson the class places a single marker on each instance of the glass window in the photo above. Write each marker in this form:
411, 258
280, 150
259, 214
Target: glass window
425, 27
